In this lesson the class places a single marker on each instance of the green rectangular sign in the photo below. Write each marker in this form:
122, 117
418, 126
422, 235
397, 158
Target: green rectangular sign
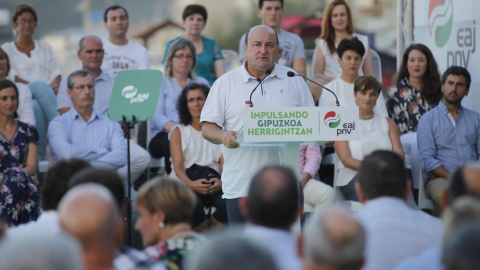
135, 92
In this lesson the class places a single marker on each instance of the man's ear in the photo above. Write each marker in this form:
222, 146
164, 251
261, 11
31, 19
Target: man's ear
407, 191
445, 200
243, 205
360, 195
280, 52
300, 246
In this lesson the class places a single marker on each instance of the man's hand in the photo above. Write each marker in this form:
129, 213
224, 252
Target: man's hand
216, 186
200, 186
229, 139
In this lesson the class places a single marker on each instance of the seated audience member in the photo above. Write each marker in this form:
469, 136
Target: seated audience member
350, 52
126, 258
462, 183
90, 53
18, 166
375, 132
271, 207
165, 208
292, 53
462, 248
315, 192
233, 252
210, 63
334, 240
394, 230
25, 105
463, 210
41, 251
54, 186
90, 214
33, 62
417, 90
84, 133
448, 135
190, 150
179, 73
18, 140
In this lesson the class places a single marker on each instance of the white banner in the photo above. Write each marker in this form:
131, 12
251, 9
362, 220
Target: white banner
449, 28
297, 124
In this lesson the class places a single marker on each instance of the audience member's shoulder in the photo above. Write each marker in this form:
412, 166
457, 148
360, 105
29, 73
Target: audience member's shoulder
7, 46
290, 35
135, 45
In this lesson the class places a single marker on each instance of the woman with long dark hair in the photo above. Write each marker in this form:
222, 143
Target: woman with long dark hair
417, 90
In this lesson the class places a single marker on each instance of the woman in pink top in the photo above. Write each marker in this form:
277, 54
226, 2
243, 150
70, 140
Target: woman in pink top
316, 193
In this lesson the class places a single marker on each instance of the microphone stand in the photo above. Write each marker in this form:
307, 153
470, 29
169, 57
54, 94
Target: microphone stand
292, 74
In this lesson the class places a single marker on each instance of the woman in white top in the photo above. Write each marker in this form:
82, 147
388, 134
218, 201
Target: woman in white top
33, 62
25, 106
376, 132
188, 147
337, 25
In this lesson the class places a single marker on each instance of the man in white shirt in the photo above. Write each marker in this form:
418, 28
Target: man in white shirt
394, 230
271, 208
224, 106
120, 52
291, 45
350, 53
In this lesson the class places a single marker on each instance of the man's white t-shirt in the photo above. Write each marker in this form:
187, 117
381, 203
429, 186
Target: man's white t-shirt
118, 58
224, 107
344, 92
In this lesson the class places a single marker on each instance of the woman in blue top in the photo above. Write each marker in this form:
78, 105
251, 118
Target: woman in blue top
210, 63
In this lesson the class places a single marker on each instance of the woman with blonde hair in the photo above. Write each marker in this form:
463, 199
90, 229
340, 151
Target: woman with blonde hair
165, 208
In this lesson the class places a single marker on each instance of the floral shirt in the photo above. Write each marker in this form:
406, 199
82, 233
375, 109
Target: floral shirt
172, 251
405, 106
13, 153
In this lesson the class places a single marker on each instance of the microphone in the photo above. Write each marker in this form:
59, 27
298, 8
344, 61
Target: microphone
267, 73
292, 74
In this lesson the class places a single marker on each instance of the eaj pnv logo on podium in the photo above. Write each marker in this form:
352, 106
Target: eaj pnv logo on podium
283, 124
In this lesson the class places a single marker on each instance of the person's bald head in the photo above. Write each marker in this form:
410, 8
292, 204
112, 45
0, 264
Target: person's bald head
90, 52
333, 238
261, 50
262, 29
472, 179
89, 212
465, 180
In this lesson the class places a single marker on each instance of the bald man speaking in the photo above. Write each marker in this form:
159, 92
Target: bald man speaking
222, 114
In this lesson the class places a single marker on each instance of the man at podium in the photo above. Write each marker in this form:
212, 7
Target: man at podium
259, 82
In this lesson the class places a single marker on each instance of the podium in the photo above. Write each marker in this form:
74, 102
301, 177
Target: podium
287, 127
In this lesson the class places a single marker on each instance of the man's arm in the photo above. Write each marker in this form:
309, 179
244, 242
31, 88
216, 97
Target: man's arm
116, 156
216, 135
62, 147
241, 53
64, 102
427, 149
300, 66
